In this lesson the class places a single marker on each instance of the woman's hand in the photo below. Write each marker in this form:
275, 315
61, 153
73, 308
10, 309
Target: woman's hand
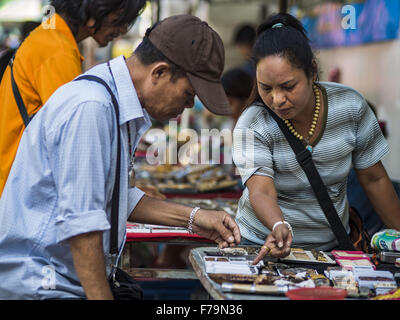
218, 226
277, 244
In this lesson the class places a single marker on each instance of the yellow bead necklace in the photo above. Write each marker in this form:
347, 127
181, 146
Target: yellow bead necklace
313, 123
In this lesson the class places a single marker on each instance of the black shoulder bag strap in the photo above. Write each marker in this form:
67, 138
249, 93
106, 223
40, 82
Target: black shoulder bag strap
304, 158
122, 285
114, 249
17, 96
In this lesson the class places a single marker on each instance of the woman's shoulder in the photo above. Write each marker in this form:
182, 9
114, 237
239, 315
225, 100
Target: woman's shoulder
341, 93
252, 117
344, 100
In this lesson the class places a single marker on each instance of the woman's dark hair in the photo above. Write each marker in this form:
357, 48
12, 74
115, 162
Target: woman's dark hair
78, 12
147, 54
283, 35
237, 83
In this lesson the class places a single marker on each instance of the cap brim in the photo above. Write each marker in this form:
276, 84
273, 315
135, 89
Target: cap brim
212, 95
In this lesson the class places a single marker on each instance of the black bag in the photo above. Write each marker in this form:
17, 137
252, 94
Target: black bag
124, 287
304, 158
359, 235
122, 284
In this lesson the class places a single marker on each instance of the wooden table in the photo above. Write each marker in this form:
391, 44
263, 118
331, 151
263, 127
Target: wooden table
213, 288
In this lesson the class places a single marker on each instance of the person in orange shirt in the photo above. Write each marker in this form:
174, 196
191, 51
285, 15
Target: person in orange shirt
49, 57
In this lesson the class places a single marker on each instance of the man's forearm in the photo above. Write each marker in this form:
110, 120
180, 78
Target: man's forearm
88, 256
211, 224
154, 211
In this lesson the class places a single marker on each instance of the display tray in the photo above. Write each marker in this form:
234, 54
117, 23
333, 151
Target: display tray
227, 272
298, 255
231, 265
149, 232
388, 256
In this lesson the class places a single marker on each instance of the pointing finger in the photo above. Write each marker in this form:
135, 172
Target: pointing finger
263, 252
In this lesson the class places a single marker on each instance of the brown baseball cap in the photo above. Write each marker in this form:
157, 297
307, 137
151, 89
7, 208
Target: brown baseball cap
194, 46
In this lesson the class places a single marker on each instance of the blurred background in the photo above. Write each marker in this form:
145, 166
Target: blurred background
356, 42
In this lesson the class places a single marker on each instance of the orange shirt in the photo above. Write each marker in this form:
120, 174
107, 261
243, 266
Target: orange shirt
47, 59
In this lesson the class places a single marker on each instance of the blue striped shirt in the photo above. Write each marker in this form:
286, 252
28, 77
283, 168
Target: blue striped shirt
61, 183
351, 137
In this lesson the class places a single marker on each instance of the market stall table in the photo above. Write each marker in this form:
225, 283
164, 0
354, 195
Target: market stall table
214, 289
212, 268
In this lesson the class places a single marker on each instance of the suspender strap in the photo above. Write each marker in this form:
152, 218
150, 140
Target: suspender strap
17, 96
114, 249
304, 158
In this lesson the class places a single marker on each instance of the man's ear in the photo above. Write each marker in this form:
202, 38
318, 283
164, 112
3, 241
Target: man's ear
160, 70
90, 23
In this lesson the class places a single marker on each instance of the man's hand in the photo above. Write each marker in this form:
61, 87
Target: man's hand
218, 226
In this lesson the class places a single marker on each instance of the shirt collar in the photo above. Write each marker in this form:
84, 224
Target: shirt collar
63, 27
130, 107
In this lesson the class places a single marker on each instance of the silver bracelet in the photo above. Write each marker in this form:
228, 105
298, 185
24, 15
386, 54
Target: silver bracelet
283, 222
191, 219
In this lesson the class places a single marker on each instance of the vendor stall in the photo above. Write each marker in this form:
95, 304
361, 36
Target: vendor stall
307, 275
